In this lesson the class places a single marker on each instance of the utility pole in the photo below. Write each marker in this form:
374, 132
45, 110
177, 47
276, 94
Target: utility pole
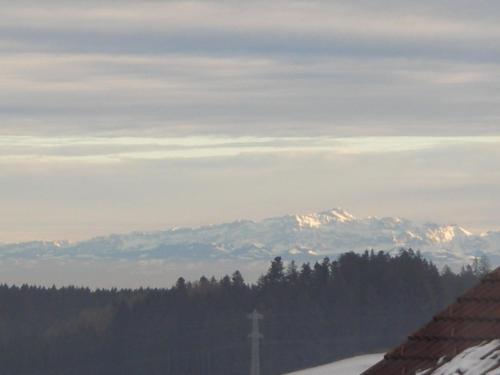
255, 336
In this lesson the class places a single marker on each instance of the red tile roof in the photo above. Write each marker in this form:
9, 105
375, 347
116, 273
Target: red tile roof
473, 319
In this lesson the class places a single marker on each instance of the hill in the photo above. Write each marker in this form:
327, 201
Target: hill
349, 366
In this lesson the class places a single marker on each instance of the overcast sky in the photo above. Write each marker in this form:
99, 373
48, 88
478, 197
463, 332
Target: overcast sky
124, 115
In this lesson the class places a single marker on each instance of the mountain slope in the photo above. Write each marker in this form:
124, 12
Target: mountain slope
301, 237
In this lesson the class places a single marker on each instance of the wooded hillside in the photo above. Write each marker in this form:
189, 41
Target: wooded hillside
313, 314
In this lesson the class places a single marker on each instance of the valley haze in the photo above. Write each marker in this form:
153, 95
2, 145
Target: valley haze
158, 258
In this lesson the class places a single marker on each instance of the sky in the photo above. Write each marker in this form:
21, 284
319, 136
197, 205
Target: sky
143, 115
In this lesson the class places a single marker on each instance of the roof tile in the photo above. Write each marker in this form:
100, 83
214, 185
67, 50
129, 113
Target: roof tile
473, 319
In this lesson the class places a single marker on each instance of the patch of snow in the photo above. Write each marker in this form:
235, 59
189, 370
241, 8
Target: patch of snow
446, 233
308, 221
317, 220
477, 360
350, 366
340, 215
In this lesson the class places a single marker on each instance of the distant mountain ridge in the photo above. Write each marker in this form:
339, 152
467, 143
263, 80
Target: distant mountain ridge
301, 237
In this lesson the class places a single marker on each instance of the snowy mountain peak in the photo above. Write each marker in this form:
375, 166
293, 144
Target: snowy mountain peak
447, 233
308, 221
303, 237
317, 220
339, 214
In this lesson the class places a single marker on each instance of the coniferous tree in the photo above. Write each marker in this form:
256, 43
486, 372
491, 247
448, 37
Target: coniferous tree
312, 315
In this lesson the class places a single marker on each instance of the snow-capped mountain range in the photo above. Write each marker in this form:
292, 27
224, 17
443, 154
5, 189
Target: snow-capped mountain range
300, 237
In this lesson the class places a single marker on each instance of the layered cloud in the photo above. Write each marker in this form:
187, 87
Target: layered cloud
33, 150
250, 68
139, 115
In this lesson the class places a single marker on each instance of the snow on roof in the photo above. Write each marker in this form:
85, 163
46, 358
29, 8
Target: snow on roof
470, 326
483, 359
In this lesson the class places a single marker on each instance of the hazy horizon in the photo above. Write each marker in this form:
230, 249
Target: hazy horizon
153, 229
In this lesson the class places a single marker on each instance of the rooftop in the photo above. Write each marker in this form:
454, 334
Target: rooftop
471, 322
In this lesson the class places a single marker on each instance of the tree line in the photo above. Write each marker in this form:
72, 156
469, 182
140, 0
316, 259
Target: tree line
313, 314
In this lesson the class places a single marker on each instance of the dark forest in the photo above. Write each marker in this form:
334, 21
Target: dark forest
313, 314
